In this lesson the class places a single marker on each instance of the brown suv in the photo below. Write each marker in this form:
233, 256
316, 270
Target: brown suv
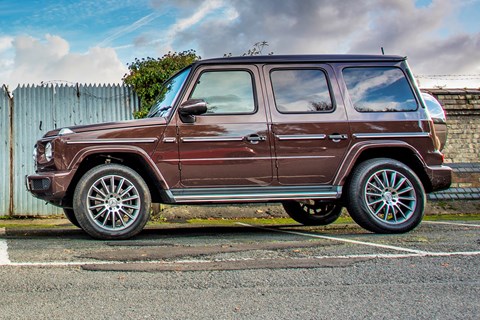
314, 132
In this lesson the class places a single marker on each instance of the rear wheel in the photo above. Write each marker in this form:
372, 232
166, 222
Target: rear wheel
112, 201
385, 196
313, 213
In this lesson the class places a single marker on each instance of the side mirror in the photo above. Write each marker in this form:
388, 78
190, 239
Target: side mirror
191, 108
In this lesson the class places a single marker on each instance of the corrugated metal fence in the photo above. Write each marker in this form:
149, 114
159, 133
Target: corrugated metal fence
30, 111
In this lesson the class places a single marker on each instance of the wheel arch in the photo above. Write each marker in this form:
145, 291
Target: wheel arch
133, 158
399, 151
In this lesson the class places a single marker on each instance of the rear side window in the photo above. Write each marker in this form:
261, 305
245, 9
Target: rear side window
301, 91
226, 92
379, 89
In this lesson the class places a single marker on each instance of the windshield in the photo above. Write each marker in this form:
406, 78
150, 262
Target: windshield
169, 93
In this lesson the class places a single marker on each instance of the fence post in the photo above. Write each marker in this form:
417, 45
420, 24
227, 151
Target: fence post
10, 149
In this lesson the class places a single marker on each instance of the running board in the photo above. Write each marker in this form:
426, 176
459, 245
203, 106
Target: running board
253, 194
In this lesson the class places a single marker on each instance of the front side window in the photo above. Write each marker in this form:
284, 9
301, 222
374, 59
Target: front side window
300, 91
379, 89
226, 92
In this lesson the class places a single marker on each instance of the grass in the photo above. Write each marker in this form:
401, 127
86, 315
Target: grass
257, 221
453, 217
60, 222
341, 220
263, 221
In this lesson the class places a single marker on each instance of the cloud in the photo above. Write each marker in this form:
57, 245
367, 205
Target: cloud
426, 34
190, 14
6, 56
51, 60
308, 26
130, 28
5, 43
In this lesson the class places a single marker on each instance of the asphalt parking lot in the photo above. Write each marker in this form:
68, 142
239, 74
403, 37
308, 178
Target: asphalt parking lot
235, 246
243, 271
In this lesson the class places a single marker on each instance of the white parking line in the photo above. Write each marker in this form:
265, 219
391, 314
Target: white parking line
66, 264
454, 223
4, 259
371, 244
408, 253
413, 252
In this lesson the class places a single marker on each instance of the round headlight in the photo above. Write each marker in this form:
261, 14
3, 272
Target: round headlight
48, 151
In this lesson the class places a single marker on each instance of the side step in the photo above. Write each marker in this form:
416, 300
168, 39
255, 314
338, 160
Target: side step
254, 194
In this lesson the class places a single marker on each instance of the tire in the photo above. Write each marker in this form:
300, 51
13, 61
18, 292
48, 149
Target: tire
385, 196
318, 214
71, 217
112, 201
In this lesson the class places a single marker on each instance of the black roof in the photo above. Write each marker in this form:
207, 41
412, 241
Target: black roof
302, 58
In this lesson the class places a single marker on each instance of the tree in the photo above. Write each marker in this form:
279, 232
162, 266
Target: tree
256, 50
147, 75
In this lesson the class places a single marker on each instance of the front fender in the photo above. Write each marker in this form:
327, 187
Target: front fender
109, 149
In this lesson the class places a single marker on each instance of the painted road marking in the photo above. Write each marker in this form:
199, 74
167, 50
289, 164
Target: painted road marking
413, 252
4, 259
192, 261
371, 244
454, 223
409, 253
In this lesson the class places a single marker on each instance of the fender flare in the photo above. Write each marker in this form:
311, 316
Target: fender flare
92, 150
356, 151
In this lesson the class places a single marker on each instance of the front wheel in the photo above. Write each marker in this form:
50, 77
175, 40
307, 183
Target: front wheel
385, 196
112, 201
312, 213
71, 217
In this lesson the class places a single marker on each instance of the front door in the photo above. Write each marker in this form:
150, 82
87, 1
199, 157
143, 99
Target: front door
229, 145
309, 123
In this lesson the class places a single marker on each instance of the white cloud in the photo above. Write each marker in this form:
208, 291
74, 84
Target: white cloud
5, 43
37, 61
189, 19
6, 56
130, 28
425, 34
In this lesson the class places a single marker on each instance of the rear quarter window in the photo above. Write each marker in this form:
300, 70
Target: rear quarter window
379, 89
301, 91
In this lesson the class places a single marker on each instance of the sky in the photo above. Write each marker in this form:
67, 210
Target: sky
67, 41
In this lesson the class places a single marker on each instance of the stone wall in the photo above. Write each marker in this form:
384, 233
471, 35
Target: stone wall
462, 107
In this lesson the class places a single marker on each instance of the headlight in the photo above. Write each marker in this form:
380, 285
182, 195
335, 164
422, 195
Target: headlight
35, 153
48, 151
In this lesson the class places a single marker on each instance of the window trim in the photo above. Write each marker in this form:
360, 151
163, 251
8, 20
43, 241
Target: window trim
329, 87
379, 67
254, 90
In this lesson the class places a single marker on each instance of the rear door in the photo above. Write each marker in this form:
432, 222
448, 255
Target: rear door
309, 123
229, 145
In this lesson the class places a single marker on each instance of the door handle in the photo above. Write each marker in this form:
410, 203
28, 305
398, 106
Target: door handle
255, 138
337, 137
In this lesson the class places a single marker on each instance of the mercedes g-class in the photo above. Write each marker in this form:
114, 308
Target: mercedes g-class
314, 132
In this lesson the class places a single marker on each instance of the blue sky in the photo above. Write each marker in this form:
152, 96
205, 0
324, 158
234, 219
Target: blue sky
92, 41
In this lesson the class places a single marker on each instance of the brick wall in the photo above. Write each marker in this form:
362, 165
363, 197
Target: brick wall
462, 107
